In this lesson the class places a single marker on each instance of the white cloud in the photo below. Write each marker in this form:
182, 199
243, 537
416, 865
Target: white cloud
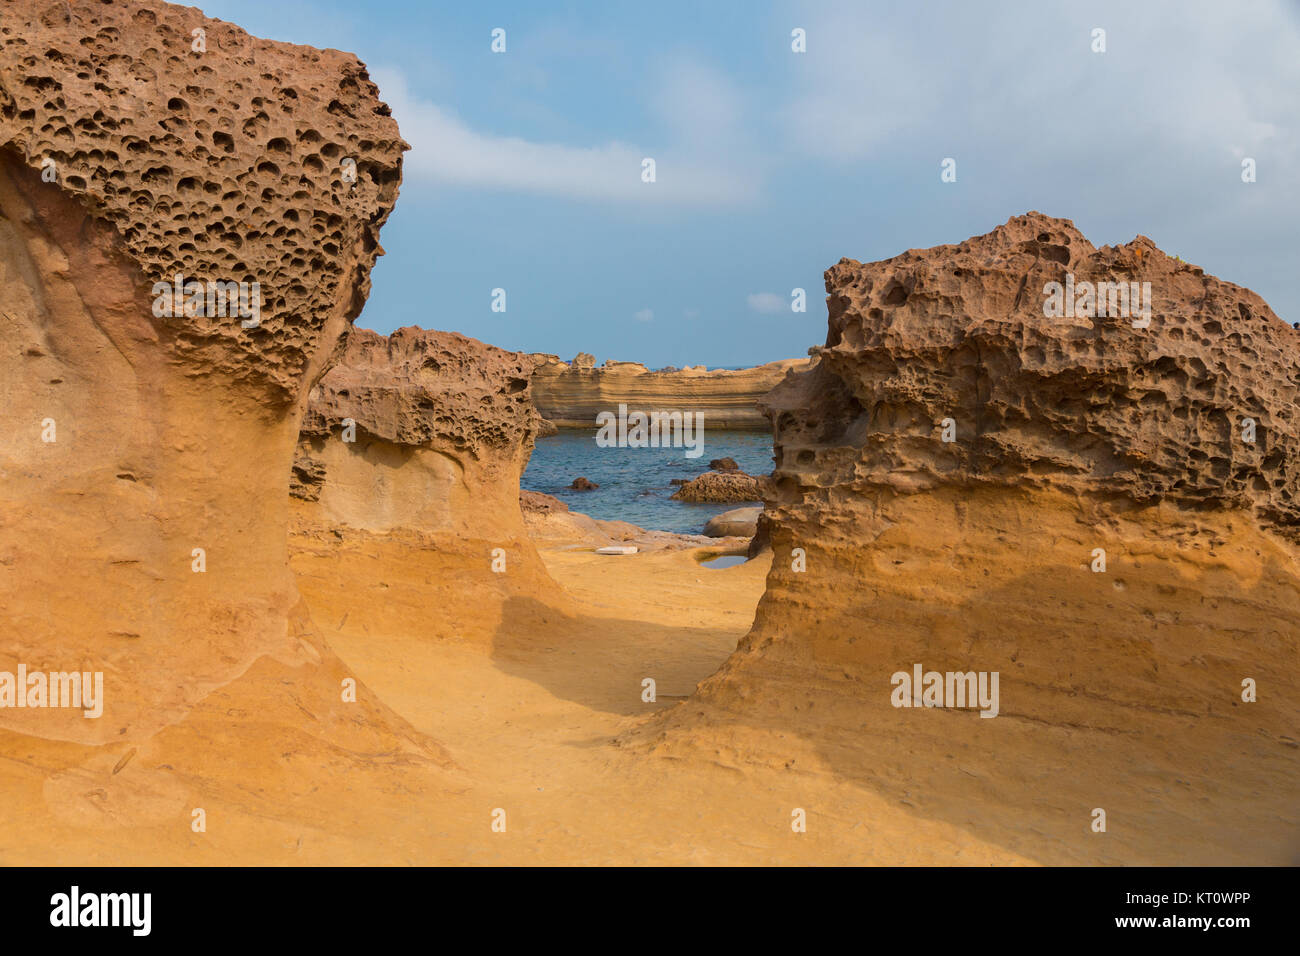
645, 315
767, 302
1016, 83
444, 149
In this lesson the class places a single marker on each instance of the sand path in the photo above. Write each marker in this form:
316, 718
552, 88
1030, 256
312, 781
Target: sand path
534, 723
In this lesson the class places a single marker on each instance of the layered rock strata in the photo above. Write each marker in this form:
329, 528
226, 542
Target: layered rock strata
571, 395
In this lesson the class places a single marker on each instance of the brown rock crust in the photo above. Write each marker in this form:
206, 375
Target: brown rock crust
1081, 403
419, 429
221, 164
421, 386
1099, 532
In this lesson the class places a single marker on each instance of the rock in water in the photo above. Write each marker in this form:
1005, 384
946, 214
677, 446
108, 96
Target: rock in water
1103, 513
721, 487
583, 484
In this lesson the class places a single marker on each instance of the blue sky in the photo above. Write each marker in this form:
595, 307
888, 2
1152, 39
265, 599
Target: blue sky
525, 172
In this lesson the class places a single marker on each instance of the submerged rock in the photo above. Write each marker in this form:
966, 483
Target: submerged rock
718, 486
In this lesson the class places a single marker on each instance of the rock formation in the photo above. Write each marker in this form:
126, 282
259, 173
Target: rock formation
132, 437
572, 395
738, 521
404, 429
1098, 508
407, 480
146, 443
722, 487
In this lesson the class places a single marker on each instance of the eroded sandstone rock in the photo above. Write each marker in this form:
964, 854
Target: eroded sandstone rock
413, 445
408, 429
1079, 403
740, 522
1100, 532
145, 457
721, 487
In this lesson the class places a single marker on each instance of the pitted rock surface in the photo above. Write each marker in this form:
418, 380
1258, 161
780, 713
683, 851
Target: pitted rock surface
1089, 404
423, 387
221, 165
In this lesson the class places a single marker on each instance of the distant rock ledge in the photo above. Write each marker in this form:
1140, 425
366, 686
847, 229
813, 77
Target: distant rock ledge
571, 394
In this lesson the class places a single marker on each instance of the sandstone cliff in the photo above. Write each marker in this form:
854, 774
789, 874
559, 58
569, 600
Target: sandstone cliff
570, 395
1103, 513
146, 452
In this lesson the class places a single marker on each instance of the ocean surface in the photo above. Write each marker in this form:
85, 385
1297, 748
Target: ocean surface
635, 483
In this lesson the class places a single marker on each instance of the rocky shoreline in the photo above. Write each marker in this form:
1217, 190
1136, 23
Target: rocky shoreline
572, 394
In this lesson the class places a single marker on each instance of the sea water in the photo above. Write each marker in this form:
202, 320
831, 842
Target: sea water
636, 483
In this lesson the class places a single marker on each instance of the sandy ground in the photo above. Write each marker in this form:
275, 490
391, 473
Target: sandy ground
473, 696
482, 693
534, 721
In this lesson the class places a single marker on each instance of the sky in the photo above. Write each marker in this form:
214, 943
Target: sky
526, 167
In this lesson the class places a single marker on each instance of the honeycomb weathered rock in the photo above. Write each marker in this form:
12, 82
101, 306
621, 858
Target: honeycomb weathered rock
146, 458
1098, 533
425, 387
226, 163
1083, 403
